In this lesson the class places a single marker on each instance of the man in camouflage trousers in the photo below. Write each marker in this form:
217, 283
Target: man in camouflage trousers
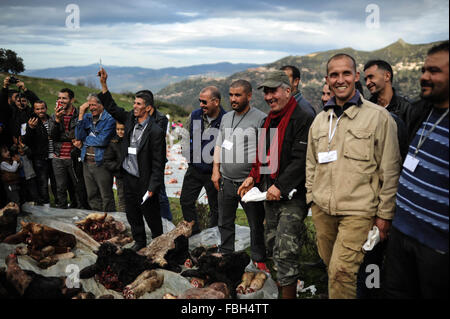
280, 169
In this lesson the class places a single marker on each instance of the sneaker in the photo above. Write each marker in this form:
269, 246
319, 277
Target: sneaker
262, 266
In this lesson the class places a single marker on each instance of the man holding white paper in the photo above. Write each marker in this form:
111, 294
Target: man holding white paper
352, 170
233, 156
279, 169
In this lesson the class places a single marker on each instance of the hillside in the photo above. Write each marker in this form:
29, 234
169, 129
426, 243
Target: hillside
124, 79
47, 90
405, 58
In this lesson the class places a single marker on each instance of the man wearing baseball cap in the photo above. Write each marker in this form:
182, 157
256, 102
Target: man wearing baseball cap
279, 169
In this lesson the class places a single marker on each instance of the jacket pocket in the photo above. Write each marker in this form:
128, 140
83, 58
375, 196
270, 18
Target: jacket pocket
358, 145
321, 142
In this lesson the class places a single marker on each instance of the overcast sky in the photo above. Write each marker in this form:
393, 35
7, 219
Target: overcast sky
157, 34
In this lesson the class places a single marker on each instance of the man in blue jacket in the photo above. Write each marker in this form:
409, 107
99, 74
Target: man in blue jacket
95, 131
203, 129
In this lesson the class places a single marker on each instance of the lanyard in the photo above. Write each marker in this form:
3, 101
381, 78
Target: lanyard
422, 139
332, 133
232, 122
133, 140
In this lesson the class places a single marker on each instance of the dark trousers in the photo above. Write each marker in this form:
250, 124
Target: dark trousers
41, 167
12, 193
136, 213
413, 270
64, 171
228, 203
29, 190
164, 203
193, 183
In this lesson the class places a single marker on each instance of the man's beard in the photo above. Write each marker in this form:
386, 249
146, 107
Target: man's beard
240, 107
433, 97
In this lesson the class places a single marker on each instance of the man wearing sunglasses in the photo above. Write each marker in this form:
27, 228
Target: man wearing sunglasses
203, 129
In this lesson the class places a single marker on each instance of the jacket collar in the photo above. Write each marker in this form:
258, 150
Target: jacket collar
356, 100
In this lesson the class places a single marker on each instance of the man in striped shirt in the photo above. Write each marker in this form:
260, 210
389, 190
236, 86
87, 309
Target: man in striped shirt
63, 133
417, 255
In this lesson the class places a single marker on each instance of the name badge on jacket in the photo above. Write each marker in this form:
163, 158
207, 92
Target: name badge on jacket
132, 150
411, 163
327, 157
227, 145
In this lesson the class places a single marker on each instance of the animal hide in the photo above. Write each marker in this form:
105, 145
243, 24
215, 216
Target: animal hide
148, 281
8, 220
170, 249
226, 268
103, 227
42, 242
115, 268
27, 284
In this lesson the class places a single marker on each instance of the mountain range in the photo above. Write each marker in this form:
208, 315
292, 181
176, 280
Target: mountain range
132, 79
406, 60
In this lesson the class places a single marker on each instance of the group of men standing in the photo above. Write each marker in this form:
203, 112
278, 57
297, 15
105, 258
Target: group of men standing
344, 163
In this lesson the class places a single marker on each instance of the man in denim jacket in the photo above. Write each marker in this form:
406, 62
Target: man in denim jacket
95, 130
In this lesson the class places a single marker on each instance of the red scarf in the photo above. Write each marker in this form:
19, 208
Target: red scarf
285, 115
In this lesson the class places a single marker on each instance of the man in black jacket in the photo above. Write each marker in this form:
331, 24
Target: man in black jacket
284, 154
37, 137
162, 122
379, 77
143, 159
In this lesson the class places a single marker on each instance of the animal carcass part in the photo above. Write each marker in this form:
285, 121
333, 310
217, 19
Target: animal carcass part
217, 290
8, 220
160, 246
116, 267
197, 282
257, 282
103, 227
30, 285
247, 278
53, 259
42, 243
148, 281
172, 181
39, 236
15, 275
227, 268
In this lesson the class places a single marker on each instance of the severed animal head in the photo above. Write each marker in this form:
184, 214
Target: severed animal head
8, 213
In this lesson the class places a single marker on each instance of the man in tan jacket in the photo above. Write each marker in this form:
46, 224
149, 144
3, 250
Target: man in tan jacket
352, 170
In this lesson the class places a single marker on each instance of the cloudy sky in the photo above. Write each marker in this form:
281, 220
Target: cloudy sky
157, 34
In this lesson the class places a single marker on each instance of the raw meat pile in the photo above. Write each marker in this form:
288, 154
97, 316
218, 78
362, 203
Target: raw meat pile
103, 227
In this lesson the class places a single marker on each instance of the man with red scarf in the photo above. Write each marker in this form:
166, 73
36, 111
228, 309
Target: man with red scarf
279, 169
